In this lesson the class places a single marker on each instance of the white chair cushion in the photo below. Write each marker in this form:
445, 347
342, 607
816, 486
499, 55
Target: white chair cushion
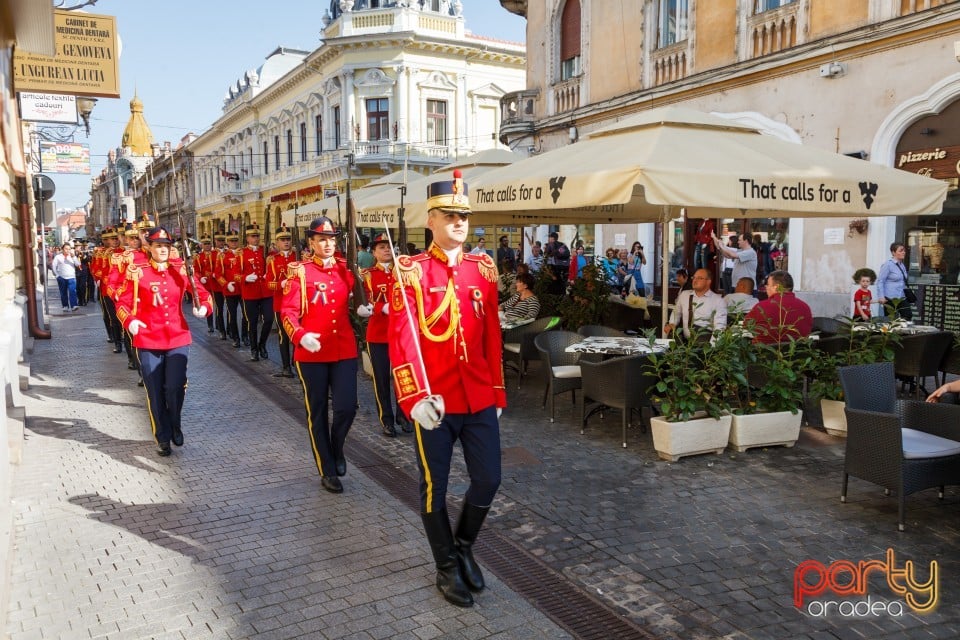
567, 371
919, 444
512, 347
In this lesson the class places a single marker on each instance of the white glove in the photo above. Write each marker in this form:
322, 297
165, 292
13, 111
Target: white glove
428, 412
365, 310
231, 286
203, 280
200, 312
310, 342
385, 310
252, 277
135, 326
499, 412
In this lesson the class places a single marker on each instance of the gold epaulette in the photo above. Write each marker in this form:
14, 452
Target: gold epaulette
134, 272
116, 259
410, 270
488, 268
295, 270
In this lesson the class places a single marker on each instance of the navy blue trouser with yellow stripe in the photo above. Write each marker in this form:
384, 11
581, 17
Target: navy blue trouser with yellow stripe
387, 408
479, 436
164, 374
338, 379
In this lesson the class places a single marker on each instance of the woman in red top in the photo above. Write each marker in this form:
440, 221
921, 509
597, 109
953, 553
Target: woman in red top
149, 308
315, 313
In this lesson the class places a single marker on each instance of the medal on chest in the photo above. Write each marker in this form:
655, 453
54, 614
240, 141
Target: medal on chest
157, 298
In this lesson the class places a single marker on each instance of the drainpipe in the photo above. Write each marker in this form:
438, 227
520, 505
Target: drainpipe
26, 246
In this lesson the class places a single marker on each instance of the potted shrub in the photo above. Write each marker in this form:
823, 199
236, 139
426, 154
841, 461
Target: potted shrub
694, 378
772, 415
586, 299
858, 343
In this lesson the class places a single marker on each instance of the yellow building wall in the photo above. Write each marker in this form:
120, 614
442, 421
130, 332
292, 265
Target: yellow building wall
616, 48
829, 17
716, 33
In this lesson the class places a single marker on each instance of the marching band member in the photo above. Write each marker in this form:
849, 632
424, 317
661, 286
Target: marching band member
316, 315
149, 308
378, 282
445, 347
277, 265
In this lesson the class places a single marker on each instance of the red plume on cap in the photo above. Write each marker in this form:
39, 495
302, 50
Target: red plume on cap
457, 174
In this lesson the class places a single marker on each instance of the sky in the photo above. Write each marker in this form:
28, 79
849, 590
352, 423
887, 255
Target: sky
180, 56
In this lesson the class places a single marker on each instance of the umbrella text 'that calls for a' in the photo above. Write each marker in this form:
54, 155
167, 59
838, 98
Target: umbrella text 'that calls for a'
648, 167
302, 216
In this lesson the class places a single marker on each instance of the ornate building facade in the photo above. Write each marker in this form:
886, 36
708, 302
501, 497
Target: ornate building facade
394, 83
874, 79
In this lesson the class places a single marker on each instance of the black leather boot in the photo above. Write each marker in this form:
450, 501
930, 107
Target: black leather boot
468, 526
449, 580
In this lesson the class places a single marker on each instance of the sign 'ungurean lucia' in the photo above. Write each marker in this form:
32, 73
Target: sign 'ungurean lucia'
85, 62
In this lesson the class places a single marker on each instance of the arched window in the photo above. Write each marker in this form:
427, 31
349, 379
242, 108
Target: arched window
570, 40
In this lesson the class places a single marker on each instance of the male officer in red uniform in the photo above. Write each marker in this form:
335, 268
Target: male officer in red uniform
150, 310
101, 272
203, 265
316, 315
228, 275
445, 347
378, 282
257, 298
219, 246
277, 264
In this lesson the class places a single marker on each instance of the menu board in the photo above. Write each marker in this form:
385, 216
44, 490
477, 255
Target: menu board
940, 306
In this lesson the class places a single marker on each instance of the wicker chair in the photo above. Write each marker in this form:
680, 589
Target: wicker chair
592, 330
518, 349
918, 357
618, 383
950, 363
903, 446
561, 370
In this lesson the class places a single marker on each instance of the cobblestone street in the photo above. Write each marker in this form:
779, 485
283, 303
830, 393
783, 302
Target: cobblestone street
232, 536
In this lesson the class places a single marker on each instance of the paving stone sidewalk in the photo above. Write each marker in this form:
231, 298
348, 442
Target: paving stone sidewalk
231, 537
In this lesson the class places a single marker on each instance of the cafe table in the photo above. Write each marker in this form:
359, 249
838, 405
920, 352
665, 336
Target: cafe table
617, 346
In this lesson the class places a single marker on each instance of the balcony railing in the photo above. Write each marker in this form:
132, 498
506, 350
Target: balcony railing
774, 30
912, 6
518, 106
670, 63
566, 95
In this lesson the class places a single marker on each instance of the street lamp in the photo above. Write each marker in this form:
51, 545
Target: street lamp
85, 108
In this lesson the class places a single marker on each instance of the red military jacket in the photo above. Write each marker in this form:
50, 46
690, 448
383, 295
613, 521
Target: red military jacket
316, 299
277, 265
119, 264
229, 271
454, 317
203, 264
378, 283
253, 261
153, 296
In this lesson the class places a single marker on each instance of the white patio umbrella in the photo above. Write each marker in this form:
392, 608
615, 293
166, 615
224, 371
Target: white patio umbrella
302, 216
648, 167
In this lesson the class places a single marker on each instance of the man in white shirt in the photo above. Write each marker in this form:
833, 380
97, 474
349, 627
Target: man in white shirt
65, 266
698, 307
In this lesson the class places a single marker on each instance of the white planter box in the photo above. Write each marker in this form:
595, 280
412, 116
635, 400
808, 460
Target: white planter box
672, 440
834, 418
765, 430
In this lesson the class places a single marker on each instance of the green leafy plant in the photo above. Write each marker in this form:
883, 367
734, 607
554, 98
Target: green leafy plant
861, 343
782, 369
586, 299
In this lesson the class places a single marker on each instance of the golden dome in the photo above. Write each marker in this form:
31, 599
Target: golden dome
137, 135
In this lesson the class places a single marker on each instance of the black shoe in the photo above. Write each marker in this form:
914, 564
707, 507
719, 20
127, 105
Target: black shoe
468, 526
223, 336
449, 577
390, 431
255, 356
110, 340
118, 348
163, 449
246, 341
341, 466
263, 354
236, 344
178, 437
330, 483
140, 382
131, 365
406, 426
284, 373
209, 329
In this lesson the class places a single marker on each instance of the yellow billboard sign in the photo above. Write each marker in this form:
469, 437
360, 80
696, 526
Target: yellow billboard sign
86, 62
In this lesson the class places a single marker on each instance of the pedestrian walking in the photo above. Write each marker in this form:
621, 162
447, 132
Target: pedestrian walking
316, 316
64, 266
445, 348
378, 283
150, 310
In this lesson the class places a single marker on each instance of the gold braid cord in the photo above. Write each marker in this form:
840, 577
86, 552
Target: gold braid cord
411, 273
